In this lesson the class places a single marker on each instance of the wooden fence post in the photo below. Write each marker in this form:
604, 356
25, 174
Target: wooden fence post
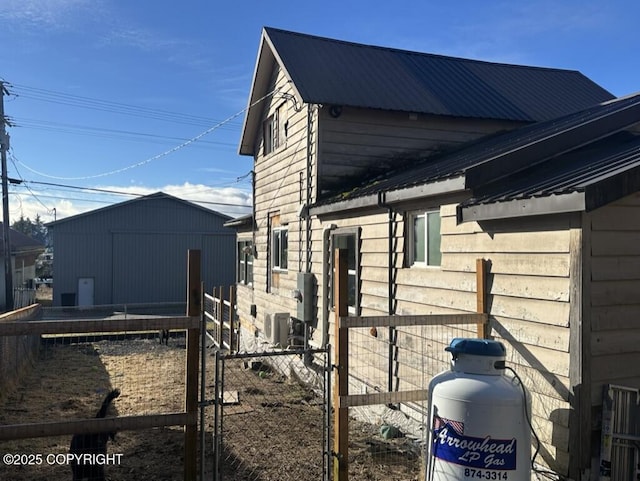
232, 327
481, 297
191, 392
219, 314
341, 382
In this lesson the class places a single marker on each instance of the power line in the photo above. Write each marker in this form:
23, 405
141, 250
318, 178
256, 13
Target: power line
158, 156
13, 161
76, 129
115, 192
63, 98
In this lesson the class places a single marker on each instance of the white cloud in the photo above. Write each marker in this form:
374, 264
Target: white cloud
53, 205
52, 14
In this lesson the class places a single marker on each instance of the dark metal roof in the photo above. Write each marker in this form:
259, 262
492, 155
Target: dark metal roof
584, 179
244, 221
328, 71
500, 156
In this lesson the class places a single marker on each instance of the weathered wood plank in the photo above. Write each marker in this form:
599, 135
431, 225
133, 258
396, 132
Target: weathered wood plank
611, 293
622, 342
535, 310
421, 320
547, 242
616, 218
396, 397
615, 366
427, 296
609, 318
80, 426
435, 278
620, 243
542, 359
615, 268
543, 335
515, 263
130, 324
530, 287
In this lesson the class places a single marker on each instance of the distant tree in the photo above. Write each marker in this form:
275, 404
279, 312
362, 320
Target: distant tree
34, 229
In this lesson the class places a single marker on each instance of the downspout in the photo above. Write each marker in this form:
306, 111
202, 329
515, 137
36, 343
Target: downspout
326, 263
309, 187
390, 285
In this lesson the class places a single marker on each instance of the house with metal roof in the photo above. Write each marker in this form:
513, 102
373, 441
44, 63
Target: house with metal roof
135, 252
418, 165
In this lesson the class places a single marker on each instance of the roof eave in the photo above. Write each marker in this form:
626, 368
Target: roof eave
258, 89
553, 204
439, 187
442, 187
266, 59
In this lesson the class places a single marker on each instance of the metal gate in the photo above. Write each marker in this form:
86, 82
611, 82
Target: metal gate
272, 416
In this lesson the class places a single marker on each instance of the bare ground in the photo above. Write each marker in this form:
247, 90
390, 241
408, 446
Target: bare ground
272, 431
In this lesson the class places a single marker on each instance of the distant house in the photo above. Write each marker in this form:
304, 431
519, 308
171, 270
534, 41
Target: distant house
136, 251
24, 252
420, 164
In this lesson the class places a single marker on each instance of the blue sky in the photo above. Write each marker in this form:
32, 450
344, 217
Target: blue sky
104, 93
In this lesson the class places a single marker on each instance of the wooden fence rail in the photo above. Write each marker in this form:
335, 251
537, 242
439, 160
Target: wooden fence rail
341, 398
222, 313
188, 418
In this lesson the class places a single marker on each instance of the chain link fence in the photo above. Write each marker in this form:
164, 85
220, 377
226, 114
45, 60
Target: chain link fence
271, 419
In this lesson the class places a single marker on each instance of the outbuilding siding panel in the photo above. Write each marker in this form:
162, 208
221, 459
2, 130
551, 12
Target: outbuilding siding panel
136, 251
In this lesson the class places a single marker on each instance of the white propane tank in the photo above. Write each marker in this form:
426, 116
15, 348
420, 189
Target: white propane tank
478, 425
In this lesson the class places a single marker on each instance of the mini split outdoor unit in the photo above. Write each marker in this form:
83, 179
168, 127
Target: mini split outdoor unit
276, 328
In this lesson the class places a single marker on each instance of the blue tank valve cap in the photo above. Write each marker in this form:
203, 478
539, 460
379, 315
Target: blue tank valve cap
476, 347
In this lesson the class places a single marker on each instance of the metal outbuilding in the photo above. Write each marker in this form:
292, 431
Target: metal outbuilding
136, 251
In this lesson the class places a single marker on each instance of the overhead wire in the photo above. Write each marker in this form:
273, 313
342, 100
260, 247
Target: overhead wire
110, 192
157, 156
13, 161
52, 96
105, 133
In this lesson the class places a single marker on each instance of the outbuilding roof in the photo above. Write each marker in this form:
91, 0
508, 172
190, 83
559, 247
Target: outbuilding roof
334, 72
155, 195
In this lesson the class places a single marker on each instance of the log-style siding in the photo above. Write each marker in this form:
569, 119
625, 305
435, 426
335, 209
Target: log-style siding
614, 295
529, 289
531, 271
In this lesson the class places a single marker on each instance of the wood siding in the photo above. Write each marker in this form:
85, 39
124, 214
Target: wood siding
281, 183
364, 142
529, 259
614, 293
529, 289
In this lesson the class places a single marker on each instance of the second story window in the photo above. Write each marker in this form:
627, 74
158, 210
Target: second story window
280, 248
270, 129
274, 130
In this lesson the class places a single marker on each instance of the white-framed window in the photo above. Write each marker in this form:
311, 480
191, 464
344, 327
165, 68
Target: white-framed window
245, 262
280, 248
425, 239
274, 130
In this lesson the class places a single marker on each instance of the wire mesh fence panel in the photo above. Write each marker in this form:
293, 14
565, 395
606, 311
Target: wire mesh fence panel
77, 377
272, 420
389, 372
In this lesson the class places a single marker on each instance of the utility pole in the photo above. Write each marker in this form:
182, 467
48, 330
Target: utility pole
6, 245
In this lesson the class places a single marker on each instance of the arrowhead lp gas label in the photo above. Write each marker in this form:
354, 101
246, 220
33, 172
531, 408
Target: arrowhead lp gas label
451, 445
